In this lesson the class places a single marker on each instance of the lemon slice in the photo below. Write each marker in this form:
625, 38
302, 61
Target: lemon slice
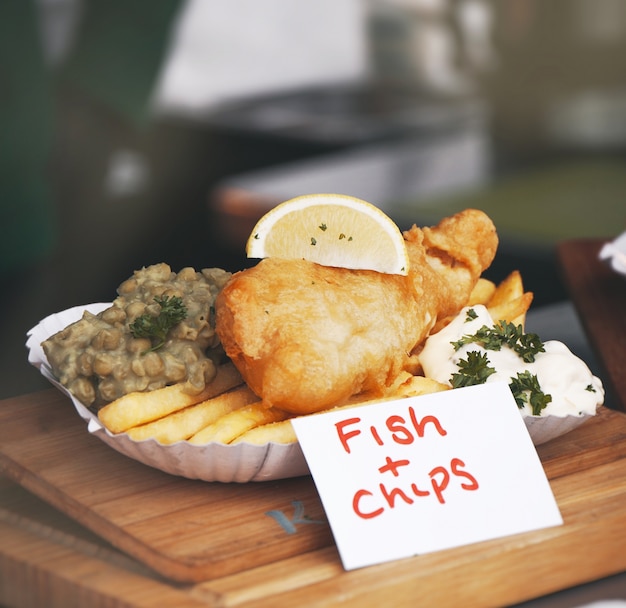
332, 230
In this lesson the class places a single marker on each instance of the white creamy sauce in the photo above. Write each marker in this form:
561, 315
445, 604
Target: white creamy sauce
560, 373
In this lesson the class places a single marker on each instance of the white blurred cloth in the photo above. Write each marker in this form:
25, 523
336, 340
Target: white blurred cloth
225, 50
615, 253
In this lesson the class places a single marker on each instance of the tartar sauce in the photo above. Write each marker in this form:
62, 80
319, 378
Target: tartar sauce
575, 391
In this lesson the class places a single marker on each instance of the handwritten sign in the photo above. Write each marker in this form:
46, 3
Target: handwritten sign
426, 473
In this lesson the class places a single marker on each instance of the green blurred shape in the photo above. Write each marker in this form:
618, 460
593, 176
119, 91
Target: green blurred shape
577, 199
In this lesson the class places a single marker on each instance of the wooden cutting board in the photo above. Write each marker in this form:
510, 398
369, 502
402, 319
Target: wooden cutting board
599, 295
235, 536
184, 529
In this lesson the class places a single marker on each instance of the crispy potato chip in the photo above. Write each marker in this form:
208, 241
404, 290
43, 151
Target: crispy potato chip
483, 292
184, 423
138, 408
230, 426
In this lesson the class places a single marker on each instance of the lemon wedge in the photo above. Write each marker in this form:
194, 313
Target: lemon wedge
331, 230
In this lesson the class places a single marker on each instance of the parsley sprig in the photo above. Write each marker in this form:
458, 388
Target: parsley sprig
470, 315
476, 368
473, 370
156, 328
505, 334
525, 388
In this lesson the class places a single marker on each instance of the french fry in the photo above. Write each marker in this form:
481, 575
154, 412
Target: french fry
483, 292
274, 432
507, 290
512, 311
183, 424
139, 408
282, 431
230, 426
419, 385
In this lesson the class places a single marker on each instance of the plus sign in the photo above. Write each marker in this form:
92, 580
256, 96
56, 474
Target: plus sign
392, 465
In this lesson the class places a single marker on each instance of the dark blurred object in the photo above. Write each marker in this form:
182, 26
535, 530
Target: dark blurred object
532, 210
599, 296
559, 81
388, 145
118, 51
535, 209
27, 220
62, 116
349, 115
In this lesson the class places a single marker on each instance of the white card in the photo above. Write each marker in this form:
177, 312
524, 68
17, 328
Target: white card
421, 474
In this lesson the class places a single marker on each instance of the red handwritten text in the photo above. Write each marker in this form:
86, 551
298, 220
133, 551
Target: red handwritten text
398, 429
367, 504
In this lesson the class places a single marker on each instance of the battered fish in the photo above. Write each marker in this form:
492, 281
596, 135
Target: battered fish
306, 337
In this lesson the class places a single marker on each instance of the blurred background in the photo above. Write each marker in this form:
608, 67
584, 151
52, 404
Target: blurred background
139, 131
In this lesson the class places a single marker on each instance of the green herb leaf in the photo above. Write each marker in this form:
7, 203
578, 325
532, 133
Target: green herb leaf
526, 389
156, 328
473, 370
470, 315
503, 333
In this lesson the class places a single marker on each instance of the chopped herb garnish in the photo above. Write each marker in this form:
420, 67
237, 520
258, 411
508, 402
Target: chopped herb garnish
322, 227
470, 315
349, 238
590, 388
156, 328
526, 389
313, 241
473, 370
505, 334
342, 236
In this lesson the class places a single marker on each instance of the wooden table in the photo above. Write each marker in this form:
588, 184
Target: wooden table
81, 525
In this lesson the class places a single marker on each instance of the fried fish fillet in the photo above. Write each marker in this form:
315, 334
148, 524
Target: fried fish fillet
306, 337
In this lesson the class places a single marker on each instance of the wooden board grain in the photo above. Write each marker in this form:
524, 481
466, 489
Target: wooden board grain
219, 538
187, 530
599, 295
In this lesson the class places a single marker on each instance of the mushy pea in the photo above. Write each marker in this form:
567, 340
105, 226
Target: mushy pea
99, 358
